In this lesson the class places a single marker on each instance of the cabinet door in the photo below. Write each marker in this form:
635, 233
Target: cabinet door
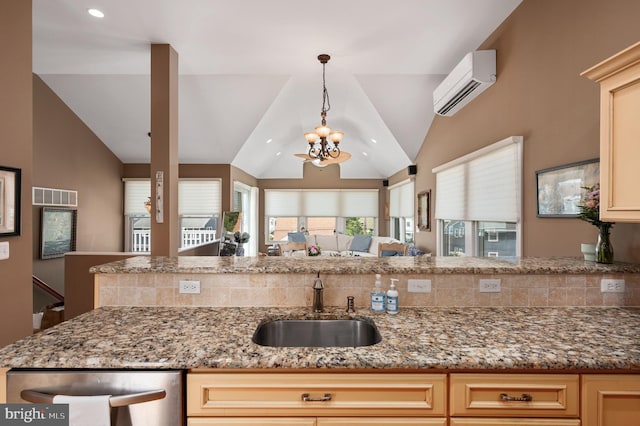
251, 421
619, 78
381, 421
610, 400
513, 422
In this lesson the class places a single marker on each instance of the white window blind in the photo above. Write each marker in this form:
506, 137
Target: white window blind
199, 197
195, 197
136, 193
401, 200
282, 203
485, 185
359, 203
321, 203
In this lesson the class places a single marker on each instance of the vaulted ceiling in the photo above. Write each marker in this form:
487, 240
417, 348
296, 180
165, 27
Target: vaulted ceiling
250, 83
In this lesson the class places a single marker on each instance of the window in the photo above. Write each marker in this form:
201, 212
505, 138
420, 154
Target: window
320, 212
199, 205
245, 200
401, 211
478, 202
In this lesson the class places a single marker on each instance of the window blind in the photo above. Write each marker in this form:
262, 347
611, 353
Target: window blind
195, 197
401, 200
136, 193
321, 203
199, 197
485, 185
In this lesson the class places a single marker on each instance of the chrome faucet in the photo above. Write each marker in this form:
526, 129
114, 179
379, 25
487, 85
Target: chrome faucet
318, 288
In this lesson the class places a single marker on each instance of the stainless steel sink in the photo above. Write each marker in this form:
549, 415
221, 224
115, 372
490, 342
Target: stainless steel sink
317, 333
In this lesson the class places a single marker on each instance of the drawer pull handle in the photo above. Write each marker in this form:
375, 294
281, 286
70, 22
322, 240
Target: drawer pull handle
307, 398
524, 397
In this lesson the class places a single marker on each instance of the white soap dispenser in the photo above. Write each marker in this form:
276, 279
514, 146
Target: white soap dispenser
392, 298
377, 296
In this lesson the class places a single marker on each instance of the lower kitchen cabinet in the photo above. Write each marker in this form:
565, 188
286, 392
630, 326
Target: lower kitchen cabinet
320, 421
610, 400
251, 421
513, 422
381, 421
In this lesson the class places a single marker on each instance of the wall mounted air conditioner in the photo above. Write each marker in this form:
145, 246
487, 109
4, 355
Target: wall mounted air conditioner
472, 76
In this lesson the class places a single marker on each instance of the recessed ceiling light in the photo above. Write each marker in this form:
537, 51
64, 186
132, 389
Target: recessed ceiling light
373, 140
96, 13
269, 140
364, 153
278, 153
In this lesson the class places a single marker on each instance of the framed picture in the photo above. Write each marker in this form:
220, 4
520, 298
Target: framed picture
9, 201
57, 232
424, 211
560, 189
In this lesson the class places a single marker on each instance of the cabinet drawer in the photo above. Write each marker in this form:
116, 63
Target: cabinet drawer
513, 422
482, 395
381, 421
281, 394
251, 421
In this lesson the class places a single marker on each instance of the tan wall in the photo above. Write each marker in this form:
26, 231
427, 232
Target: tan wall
16, 145
321, 178
79, 283
68, 155
541, 50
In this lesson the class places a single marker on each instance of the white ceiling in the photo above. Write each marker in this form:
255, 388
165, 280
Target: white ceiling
249, 73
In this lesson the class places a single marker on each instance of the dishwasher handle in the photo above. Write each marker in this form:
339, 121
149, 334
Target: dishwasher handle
37, 397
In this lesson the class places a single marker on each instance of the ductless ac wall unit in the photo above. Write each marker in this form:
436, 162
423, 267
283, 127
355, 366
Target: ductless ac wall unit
475, 73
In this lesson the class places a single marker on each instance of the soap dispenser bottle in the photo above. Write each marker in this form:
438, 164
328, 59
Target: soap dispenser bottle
392, 298
377, 296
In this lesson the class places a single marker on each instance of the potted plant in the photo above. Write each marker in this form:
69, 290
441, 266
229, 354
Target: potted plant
240, 238
590, 212
314, 250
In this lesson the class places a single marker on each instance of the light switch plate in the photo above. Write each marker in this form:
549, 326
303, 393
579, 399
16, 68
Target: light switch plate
4, 250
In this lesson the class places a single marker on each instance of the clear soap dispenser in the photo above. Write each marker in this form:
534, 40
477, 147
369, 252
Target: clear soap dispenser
377, 296
392, 298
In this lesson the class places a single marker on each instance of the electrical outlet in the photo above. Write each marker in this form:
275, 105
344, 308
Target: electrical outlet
419, 286
190, 287
490, 285
608, 285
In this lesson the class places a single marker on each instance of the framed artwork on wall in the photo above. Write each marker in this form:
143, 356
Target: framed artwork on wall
561, 188
10, 201
57, 232
424, 211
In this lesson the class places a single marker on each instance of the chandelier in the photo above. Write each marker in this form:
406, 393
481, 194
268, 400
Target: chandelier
323, 142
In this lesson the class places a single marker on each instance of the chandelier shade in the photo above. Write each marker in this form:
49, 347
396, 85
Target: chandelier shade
323, 142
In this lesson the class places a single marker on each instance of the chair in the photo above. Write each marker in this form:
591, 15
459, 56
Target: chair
392, 249
288, 249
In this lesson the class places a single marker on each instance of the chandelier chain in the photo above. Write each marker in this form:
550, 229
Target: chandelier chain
326, 104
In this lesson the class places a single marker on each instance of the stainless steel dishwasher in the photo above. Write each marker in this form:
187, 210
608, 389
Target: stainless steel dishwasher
138, 397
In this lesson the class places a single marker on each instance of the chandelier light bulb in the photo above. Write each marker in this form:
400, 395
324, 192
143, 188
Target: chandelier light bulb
323, 131
311, 137
336, 137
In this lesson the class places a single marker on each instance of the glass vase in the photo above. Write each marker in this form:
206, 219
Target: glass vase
604, 249
240, 250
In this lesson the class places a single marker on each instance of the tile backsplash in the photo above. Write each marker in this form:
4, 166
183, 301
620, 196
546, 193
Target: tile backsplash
447, 290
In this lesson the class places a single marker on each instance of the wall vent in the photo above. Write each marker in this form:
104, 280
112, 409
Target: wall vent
54, 197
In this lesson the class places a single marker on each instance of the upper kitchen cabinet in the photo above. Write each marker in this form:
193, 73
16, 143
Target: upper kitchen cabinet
619, 78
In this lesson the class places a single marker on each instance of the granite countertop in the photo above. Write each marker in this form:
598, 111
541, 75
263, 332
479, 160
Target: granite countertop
359, 265
576, 339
